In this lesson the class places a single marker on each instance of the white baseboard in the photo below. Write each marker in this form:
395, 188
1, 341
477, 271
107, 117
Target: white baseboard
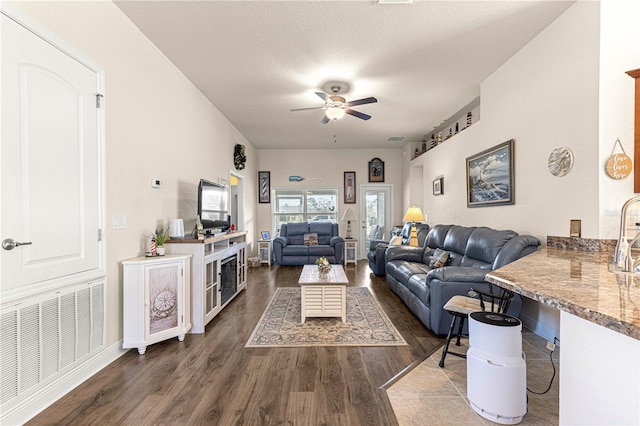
33, 404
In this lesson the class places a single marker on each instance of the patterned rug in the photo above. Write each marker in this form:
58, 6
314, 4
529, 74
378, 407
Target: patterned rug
367, 324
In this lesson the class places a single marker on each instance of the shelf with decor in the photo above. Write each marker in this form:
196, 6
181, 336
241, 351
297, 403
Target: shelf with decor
465, 117
218, 273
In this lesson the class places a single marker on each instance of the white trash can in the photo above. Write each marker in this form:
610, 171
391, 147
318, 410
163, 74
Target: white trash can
496, 368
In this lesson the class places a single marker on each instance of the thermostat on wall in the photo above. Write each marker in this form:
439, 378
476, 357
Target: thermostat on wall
156, 183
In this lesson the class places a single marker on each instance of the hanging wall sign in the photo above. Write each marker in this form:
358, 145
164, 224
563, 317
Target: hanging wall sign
619, 166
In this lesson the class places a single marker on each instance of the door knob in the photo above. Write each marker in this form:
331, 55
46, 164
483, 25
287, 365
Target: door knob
9, 244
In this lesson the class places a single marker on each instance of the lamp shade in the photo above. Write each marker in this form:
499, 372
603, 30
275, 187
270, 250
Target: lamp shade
348, 215
334, 113
413, 214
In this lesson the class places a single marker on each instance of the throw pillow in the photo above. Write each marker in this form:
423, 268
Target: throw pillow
439, 259
396, 241
310, 239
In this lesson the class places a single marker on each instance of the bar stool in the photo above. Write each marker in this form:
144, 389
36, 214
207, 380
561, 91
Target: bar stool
461, 306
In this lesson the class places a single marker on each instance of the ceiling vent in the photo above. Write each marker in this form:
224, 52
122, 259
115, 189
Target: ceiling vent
395, 138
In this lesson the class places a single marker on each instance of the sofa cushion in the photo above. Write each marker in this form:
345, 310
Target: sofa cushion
310, 239
439, 258
324, 231
483, 246
396, 241
456, 243
295, 232
419, 286
321, 250
403, 269
436, 236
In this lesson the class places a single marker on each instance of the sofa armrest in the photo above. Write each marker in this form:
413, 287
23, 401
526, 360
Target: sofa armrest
281, 241
457, 274
515, 248
373, 244
408, 253
444, 283
336, 240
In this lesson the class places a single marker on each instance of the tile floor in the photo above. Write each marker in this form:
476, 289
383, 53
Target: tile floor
429, 394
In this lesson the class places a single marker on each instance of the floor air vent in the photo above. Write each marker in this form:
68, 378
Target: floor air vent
46, 336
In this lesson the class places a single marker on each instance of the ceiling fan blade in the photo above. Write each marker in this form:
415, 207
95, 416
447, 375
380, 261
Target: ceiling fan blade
306, 109
324, 96
357, 114
363, 101
324, 120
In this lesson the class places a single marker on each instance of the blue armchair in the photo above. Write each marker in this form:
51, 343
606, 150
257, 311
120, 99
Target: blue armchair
289, 247
377, 248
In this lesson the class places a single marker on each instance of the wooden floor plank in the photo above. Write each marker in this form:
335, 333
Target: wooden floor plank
212, 378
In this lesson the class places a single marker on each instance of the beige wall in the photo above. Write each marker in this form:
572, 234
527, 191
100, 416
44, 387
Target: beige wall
544, 97
329, 164
619, 52
157, 125
566, 87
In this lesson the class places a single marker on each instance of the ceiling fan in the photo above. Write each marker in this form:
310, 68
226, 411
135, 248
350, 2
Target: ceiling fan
337, 106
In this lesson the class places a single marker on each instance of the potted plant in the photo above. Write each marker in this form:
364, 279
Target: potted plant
160, 236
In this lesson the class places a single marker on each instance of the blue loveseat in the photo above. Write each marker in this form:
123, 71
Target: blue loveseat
289, 247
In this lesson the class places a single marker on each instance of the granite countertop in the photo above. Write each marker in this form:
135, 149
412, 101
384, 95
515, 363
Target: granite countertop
577, 282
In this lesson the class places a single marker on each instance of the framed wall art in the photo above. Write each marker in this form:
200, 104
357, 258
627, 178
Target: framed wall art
349, 187
490, 174
438, 186
264, 187
376, 170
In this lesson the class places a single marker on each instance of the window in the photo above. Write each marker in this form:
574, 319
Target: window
304, 205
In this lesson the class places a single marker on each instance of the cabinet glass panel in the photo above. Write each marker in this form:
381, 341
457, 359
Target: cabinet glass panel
211, 286
163, 282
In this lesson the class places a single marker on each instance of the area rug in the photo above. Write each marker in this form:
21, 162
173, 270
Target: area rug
367, 324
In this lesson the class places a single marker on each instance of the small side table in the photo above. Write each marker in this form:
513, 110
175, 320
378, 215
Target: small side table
264, 251
351, 251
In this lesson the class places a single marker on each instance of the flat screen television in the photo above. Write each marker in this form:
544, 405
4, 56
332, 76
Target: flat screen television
213, 202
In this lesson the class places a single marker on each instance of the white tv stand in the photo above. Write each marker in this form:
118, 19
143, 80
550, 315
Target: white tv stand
208, 297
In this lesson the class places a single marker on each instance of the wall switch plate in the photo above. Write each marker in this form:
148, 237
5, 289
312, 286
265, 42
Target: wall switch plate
156, 183
119, 221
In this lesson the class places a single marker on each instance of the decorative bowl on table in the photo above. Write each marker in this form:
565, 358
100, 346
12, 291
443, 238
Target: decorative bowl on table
323, 266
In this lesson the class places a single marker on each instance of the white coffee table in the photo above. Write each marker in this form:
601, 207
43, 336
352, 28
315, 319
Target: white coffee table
323, 296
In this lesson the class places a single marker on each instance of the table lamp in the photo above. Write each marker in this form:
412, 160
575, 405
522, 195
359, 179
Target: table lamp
413, 215
348, 216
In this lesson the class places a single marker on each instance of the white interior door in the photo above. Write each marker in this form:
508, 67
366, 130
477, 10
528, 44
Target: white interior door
375, 209
50, 164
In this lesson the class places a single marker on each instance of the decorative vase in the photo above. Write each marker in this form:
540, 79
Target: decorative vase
323, 270
160, 250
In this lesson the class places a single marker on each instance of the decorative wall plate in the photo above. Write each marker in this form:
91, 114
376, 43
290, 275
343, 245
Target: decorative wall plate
560, 161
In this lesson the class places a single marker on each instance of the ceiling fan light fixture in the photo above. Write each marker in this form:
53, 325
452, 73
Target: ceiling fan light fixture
335, 113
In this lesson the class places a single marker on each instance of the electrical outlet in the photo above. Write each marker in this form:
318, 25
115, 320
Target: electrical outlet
551, 346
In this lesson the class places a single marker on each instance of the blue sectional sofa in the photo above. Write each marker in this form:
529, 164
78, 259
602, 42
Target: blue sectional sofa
472, 252
289, 248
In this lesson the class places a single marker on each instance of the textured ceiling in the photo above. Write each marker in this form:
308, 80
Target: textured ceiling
256, 60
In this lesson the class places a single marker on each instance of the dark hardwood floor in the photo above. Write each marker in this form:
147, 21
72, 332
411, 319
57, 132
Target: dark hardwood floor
212, 379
